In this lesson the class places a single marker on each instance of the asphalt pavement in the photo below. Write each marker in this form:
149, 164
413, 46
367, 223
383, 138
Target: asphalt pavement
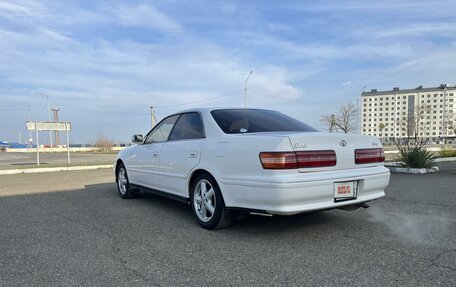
71, 228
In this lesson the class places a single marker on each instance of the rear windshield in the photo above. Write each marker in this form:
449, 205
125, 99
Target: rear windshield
236, 121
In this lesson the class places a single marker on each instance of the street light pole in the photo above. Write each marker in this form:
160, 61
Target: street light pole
30, 118
245, 89
444, 134
357, 111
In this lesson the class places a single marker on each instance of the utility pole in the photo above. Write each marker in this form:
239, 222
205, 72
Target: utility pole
56, 110
20, 137
245, 89
49, 116
152, 116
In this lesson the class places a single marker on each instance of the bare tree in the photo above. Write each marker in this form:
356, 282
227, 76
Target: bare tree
329, 121
452, 123
413, 124
102, 143
344, 120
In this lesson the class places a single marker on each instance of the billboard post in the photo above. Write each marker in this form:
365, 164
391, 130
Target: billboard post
50, 126
37, 147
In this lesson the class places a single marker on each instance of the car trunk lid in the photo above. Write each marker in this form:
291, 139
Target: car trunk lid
344, 145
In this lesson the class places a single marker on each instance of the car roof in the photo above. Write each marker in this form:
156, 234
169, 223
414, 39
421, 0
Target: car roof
206, 110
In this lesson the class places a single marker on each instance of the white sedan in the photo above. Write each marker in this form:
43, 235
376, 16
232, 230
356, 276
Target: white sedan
226, 162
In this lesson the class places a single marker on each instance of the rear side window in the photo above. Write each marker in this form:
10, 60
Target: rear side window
188, 126
235, 121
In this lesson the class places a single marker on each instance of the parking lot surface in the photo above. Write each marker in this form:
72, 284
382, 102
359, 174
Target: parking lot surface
71, 228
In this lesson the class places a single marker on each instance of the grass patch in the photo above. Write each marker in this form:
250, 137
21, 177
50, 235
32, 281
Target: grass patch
447, 152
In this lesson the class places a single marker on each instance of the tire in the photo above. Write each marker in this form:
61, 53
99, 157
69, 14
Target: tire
123, 184
207, 203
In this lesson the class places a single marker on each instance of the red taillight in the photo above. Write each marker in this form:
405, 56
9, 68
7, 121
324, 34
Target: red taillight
370, 155
301, 159
278, 160
316, 158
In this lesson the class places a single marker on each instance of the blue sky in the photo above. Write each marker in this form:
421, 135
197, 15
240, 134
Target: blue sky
105, 62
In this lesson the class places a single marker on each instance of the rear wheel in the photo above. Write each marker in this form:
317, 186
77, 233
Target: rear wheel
207, 203
123, 185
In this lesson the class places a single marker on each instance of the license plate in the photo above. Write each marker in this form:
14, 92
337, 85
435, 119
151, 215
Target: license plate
345, 190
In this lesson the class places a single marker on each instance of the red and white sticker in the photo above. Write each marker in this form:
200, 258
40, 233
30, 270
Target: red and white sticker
344, 189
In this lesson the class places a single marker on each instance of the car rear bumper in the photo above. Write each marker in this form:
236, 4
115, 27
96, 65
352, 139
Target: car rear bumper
303, 192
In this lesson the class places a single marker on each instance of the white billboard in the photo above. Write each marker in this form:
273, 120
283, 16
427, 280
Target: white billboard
48, 126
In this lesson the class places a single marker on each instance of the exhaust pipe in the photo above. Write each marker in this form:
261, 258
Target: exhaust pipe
354, 206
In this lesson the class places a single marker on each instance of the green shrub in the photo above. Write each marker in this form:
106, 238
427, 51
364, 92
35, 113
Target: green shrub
447, 152
416, 157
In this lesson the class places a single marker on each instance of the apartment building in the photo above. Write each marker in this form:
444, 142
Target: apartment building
397, 114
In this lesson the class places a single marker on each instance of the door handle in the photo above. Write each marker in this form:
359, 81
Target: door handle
193, 154
155, 154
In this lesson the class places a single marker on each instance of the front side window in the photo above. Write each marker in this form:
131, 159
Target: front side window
236, 121
162, 131
189, 126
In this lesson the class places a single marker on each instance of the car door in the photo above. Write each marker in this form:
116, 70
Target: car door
143, 169
181, 153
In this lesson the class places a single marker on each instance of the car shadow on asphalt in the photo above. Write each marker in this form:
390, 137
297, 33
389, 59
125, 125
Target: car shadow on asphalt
257, 223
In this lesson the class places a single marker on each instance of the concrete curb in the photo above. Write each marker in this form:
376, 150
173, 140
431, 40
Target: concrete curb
413, 170
445, 159
51, 169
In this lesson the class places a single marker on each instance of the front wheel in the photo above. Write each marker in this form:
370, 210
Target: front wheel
123, 185
207, 203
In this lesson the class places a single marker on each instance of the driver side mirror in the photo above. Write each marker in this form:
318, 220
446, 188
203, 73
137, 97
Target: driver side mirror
137, 139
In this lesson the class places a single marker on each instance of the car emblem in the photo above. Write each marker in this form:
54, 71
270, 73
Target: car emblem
343, 143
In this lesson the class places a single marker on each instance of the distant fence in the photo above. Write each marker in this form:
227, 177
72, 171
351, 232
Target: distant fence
62, 149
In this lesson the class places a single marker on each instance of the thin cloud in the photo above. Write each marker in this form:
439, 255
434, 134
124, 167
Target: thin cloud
146, 16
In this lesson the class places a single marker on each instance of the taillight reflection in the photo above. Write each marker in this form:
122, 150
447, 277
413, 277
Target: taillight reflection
318, 158
301, 159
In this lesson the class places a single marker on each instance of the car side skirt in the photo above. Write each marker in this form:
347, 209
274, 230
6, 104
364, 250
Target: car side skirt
161, 193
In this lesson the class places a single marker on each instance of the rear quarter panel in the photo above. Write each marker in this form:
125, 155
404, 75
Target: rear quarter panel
235, 159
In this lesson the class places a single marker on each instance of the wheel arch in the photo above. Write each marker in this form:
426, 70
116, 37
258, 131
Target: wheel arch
118, 162
194, 174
